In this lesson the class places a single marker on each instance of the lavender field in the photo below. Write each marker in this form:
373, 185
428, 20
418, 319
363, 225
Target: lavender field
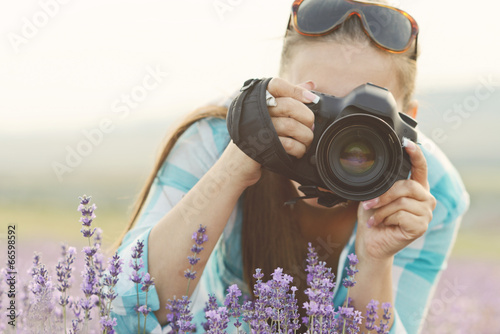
467, 299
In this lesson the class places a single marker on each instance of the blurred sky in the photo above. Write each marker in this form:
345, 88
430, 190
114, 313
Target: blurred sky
65, 64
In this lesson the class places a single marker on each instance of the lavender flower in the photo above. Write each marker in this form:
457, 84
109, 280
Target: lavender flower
42, 301
231, 301
217, 320
384, 322
136, 263
210, 305
77, 311
200, 238
180, 317
64, 269
87, 216
110, 279
108, 324
371, 314
349, 281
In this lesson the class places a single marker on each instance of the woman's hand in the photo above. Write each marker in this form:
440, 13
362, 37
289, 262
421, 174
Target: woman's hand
293, 122
392, 221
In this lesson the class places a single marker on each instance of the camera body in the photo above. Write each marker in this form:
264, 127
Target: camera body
357, 149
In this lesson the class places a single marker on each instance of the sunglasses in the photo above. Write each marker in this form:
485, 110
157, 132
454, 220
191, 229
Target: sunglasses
391, 29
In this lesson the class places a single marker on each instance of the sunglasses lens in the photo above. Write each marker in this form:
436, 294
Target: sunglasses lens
319, 16
390, 28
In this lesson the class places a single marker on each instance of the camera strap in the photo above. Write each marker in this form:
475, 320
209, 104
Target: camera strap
251, 129
250, 126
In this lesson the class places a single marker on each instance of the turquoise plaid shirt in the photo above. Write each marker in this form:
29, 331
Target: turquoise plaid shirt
416, 268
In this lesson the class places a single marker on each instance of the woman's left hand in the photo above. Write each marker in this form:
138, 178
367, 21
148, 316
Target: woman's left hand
392, 221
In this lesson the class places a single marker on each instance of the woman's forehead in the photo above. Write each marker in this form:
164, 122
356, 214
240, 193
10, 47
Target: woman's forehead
338, 68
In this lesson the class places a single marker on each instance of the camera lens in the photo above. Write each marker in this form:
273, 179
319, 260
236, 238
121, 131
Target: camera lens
359, 157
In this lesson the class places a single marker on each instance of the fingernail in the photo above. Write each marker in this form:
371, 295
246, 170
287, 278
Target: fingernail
367, 205
371, 221
312, 84
312, 128
409, 144
311, 97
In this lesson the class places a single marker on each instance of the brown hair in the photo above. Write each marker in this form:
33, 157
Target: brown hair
270, 233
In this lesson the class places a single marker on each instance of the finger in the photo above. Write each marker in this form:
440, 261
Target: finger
310, 85
289, 127
417, 208
418, 164
293, 147
288, 107
411, 226
282, 88
402, 188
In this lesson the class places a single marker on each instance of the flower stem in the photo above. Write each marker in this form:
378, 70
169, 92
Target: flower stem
138, 314
189, 282
345, 305
64, 314
145, 316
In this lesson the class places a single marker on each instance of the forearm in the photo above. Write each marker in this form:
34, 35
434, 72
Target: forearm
210, 202
373, 281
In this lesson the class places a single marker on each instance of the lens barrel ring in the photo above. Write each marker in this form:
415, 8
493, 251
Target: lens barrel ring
377, 179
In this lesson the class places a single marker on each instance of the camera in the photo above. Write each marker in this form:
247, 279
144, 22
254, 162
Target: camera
357, 151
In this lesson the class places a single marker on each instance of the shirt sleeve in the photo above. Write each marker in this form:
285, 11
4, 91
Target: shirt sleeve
193, 155
417, 267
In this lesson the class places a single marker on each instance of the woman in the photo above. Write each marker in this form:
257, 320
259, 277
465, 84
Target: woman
402, 238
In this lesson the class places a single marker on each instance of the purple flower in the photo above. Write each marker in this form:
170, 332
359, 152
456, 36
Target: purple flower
321, 283
217, 320
136, 277
114, 269
84, 200
349, 281
349, 319
193, 260
87, 216
98, 237
383, 328
147, 282
180, 317
108, 324
371, 314
63, 270
386, 307
232, 300
353, 259
144, 310
190, 274
138, 249
199, 237
136, 263
110, 279
89, 285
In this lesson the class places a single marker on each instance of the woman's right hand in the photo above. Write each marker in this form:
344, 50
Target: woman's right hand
292, 120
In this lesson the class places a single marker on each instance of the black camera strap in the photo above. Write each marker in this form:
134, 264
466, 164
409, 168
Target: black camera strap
251, 129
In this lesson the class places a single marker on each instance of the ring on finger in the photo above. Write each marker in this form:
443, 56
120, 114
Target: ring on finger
270, 100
